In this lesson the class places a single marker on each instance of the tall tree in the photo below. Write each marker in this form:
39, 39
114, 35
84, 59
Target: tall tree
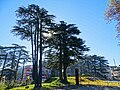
65, 40
95, 65
33, 21
12, 57
22, 55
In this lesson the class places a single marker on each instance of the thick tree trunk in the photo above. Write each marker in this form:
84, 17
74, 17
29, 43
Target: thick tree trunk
65, 65
65, 57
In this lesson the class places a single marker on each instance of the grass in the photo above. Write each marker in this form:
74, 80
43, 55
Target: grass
86, 81
53, 83
2, 86
47, 85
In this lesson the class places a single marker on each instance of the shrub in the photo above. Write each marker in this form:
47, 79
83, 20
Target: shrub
2, 86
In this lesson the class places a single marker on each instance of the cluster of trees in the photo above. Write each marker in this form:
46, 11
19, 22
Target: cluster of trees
59, 41
65, 47
91, 65
32, 22
11, 58
94, 65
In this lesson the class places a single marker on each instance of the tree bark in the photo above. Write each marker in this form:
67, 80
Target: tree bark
40, 61
65, 56
12, 65
17, 64
64, 73
60, 61
65, 59
3, 67
36, 61
37, 43
33, 60
23, 70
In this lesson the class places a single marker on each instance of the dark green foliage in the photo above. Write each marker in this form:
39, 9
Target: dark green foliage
63, 46
32, 22
64, 42
14, 56
94, 65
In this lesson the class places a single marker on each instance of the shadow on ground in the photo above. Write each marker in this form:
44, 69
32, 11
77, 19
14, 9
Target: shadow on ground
73, 87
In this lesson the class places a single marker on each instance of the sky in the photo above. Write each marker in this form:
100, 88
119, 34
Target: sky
88, 15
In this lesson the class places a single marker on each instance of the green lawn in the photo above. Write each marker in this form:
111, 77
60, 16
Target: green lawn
49, 84
54, 82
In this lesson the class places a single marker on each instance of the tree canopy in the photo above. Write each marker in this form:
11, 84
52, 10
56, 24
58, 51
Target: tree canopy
113, 13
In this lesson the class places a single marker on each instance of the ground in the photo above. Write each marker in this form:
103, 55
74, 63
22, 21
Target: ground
86, 83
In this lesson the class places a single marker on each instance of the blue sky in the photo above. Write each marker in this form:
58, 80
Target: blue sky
88, 15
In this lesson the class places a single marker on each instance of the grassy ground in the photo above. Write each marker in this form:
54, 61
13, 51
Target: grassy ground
86, 81
2, 86
49, 84
53, 83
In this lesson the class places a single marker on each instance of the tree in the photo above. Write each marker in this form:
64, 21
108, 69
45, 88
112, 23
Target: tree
113, 13
22, 57
33, 21
2, 54
65, 44
25, 58
3, 66
12, 57
9, 62
94, 65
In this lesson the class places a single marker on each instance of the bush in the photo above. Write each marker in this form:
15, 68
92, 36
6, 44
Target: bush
10, 84
2, 86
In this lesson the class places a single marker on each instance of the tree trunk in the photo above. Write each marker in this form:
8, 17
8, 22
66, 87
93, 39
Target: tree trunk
23, 71
60, 62
3, 67
65, 59
36, 61
37, 43
33, 60
64, 73
94, 68
12, 66
17, 65
40, 61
